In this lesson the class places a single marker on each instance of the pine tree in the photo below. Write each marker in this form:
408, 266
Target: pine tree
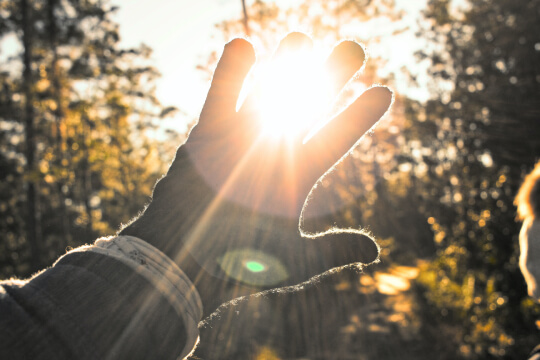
91, 126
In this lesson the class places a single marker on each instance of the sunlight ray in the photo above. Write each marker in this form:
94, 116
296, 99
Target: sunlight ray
197, 235
292, 93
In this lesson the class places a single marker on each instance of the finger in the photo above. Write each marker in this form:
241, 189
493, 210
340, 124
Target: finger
291, 53
345, 60
276, 85
330, 250
337, 137
237, 59
293, 43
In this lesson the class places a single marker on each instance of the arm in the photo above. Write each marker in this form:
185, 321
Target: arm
230, 209
117, 299
227, 213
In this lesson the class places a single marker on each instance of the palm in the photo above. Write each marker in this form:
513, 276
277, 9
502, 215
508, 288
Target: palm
264, 173
236, 231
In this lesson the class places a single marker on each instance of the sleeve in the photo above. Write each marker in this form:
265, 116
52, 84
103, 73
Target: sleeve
120, 298
535, 354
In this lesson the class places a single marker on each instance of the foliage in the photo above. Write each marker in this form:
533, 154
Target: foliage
480, 138
95, 121
437, 179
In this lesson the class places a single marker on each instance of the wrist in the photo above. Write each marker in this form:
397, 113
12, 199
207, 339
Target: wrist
178, 197
194, 228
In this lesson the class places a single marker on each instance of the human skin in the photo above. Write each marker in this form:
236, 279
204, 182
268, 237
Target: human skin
529, 257
230, 189
528, 208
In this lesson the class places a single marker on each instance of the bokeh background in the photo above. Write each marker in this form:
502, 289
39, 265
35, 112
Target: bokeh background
87, 125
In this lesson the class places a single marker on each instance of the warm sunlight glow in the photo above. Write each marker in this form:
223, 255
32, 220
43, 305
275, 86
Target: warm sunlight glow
292, 94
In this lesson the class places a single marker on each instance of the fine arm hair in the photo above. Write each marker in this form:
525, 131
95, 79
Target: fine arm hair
528, 197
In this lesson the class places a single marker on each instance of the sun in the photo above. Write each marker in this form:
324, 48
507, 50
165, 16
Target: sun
292, 94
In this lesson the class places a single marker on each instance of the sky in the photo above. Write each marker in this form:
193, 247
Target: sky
182, 33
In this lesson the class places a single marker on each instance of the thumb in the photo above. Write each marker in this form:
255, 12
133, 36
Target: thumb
313, 254
340, 247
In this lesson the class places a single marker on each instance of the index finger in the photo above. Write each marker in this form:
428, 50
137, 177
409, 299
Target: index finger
237, 59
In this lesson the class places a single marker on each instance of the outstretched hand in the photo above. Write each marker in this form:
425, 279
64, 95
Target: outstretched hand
272, 174
228, 209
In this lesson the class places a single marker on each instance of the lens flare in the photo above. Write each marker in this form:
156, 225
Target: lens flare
255, 266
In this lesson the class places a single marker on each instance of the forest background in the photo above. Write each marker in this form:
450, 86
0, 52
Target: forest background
83, 138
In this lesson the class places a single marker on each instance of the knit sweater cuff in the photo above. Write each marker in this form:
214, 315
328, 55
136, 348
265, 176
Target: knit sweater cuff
169, 281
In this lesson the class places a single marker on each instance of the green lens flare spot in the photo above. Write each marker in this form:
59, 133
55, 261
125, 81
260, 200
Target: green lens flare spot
255, 266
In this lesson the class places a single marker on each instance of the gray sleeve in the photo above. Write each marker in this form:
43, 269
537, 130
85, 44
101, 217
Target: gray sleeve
117, 299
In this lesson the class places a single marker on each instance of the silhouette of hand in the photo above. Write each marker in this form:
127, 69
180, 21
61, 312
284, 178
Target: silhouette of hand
234, 155
228, 209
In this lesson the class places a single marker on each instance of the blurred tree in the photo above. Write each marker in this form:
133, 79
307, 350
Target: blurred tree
476, 139
91, 125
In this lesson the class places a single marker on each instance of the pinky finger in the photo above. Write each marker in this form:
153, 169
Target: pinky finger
338, 136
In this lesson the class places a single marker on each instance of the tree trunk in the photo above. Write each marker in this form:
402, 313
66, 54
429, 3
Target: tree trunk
86, 175
58, 113
246, 25
33, 225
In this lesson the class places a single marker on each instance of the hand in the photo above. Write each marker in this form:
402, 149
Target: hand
275, 175
228, 209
